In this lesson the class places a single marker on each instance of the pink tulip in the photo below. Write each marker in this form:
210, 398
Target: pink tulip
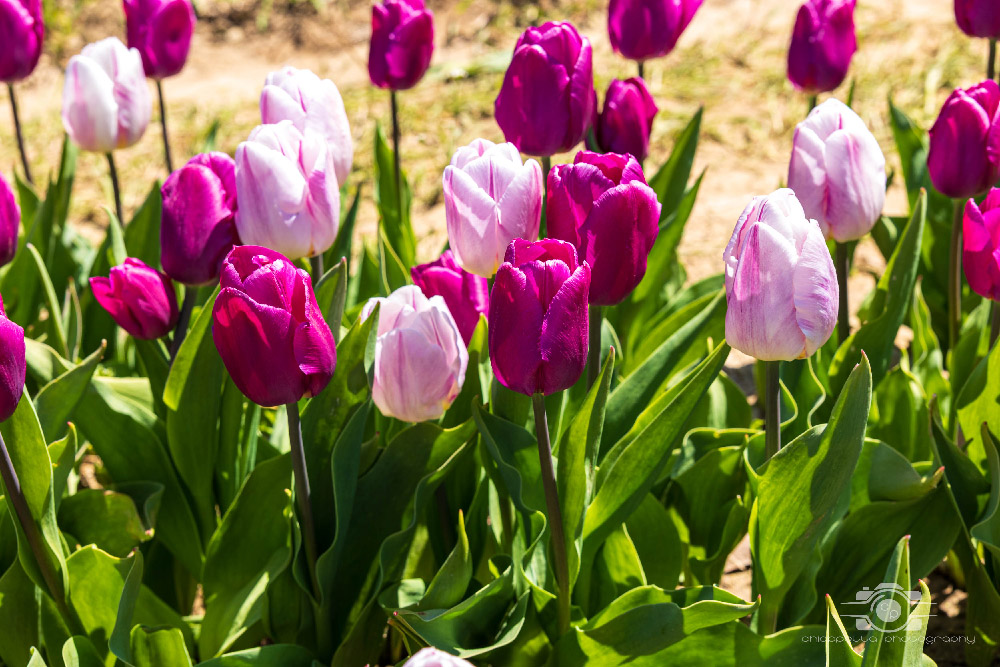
432, 657
466, 294
981, 240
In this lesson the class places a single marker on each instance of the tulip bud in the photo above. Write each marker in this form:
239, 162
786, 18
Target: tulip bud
538, 317
161, 30
963, 159
978, 18
106, 104
287, 192
21, 33
12, 365
837, 171
466, 295
547, 99
643, 29
981, 245
420, 359
432, 657
490, 199
139, 298
312, 105
402, 43
823, 43
198, 226
269, 329
10, 222
781, 287
625, 123
602, 205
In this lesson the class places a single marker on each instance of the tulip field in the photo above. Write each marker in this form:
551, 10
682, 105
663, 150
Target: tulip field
583, 349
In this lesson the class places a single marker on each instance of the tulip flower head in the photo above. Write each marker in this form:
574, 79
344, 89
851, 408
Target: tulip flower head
269, 329
161, 31
837, 171
547, 99
781, 287
402, 43
981, 245
312, 104
823, 43
198, 225
21, 33
964, 155
538, 317
432, 657
10, 222
286, 190
12, 365
420, 357
627, 119
139, 298
978, 18
466, 294
106, 104
490, 199
644, 29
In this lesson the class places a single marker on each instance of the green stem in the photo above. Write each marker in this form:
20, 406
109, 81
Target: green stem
594, 351
812, 102
395, 153
180, 331
772, 408
995, 324
991, 63
642, 69
114, 185
303, 494
317, 268
843, 314
955, 277
546, 168
18, 134
163, 126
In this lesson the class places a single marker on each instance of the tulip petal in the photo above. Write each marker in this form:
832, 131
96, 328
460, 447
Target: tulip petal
12, 366
817, 295
855, 170
90, 112
472, 222
516, 318
564, 340
409, 384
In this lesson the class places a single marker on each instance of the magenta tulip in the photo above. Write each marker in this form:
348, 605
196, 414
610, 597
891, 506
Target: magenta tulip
466, 294
627, 119
964, 155
402, 43
981, 251
269, 329
644, 29
538, 317
161, 31
12, 365
139, 298
21, 34
547, 99
823, 43
10, 222
978, 18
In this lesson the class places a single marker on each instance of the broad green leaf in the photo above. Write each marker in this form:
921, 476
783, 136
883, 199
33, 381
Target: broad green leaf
655, 333
142, 235
275, 655
617, 569
900, 415
670, 181
119, 643
395, 222
57, 400
79, 651
448, 586
342, 247
979, 403
928, 361
987, 530
19, 627
153, 647
331, 295
965, 479
36, 659
839, 649
880, 649
56, 329
107, 519
657, 542
62, 453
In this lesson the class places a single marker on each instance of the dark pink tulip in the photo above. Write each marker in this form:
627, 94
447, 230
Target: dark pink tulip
978, 18
624, 124
538, 317
823, 43
643, 29
547, 99
21, 34
602, 205
12, 365
269, 329
198, 228
981, 241
139, 298
161, 31
10, 222
964, 155
466, 294
402, 43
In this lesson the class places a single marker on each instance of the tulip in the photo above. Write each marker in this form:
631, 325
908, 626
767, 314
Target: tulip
161, 31
981, 249
491, 198
402, 43
466, 295
139, 298
547, 99
198, 226
420, 358
287, 193
837, 171
21, 33
313, 105
12, 365
643, 29
625, 123
432, 657
964, 155
269, 329
978, 18
538, 317
10, 223
823, 43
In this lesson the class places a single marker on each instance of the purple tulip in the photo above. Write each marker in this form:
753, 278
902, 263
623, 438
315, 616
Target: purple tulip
837, 171
466, 295
978, 18
198, 226
781, 287
139, 298
420, 359
538, 317
161, 30
644, 29
547, 99
269, 329
12, 365
823, 43
10, 222
21, 33
432, 657
964, 155
402, 43
625, 123
981, 251
602, 205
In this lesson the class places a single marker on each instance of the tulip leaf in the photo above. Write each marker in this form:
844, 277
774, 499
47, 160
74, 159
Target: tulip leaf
142, 235
394, 220
880, 649
987, 531
119, 642
108, 519
36, 659
56, 401
79, 651
19, 616
274, 655
839, 647
62, 453
331, 295
152, 647
18, 285
56, 329
342, 247
979, 403
670, 182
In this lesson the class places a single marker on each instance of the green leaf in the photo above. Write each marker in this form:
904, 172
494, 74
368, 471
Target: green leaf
448, 586
657, 542
839, 649
57, 400
119, 643
902, 416
897, 576
36, 659
979, 403
142, 235
19, 626
395, 223
105, 518
78, 651
56, 329
987, 530
331, 295
670, 181
275, 655
342, 246
152, 647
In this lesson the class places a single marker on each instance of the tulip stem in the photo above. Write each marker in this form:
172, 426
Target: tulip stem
955, 277
991, 63
561, 565
843, 314
317, 268
642, 69
546, 167
772, 408
114, 186
17, 132
594, 351
302, 493
180, 331
812, 102
395, 153
995, 324
163, 126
